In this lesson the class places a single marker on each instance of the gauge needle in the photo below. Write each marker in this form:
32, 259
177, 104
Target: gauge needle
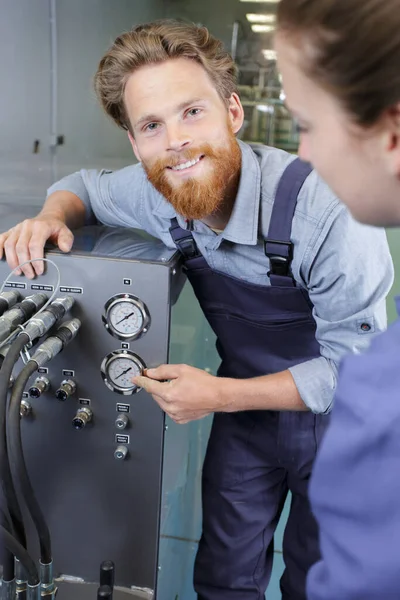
124, 372
124, 319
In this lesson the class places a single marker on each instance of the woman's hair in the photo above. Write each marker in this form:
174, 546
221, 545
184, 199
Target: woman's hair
154, 43
349, 47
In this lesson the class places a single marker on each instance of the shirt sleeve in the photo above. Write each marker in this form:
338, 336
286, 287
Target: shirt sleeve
355, 486
111, 197
348, 272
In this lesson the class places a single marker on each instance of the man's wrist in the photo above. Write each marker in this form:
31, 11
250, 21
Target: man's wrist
51, 214
231, 394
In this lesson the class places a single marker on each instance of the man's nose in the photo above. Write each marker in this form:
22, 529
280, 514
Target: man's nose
178, 137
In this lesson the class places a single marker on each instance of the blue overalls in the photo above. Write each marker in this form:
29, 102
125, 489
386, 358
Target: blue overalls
254, 457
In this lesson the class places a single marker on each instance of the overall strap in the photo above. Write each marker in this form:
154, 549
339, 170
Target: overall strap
277, 246
186, 245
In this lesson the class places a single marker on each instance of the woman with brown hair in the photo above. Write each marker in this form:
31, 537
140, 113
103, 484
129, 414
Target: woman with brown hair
340, 62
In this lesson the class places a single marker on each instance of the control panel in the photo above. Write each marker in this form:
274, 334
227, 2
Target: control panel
93, 441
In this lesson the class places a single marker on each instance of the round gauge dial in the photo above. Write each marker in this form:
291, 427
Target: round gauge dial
118, 368
126, 317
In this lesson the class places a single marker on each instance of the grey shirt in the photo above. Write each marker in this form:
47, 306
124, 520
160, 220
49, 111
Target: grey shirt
345, 266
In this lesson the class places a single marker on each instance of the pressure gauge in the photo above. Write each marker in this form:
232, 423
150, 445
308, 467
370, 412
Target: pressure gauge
126, 317
118, 368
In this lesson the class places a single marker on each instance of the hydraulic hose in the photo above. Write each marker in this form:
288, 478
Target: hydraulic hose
11, 358
18, 468
21, 554
7, 300
7, 558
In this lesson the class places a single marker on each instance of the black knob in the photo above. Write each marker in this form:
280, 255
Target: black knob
104, 593
107, 572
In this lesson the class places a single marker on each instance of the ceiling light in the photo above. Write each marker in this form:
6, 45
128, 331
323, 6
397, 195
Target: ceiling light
266, 108
269, 54
262, 28
253, 18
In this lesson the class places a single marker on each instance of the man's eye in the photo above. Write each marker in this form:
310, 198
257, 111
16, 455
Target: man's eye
194, 111
301, 128
151, 126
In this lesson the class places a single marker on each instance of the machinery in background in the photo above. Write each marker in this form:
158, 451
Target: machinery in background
113, 477
266, 118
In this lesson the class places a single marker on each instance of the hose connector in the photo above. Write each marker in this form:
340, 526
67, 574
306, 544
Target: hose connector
42, 323
57, 342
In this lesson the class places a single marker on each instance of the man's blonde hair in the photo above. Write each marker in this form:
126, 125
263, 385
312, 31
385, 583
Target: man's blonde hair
154, 43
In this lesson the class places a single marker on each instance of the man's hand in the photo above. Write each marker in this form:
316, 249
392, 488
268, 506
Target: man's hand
26, 241
184, 393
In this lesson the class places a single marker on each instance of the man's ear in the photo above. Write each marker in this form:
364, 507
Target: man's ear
235, 112
134, 146
391, 125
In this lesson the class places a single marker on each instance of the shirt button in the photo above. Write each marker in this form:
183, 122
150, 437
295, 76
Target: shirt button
366, 327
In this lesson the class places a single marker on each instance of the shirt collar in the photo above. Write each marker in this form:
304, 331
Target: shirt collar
242, 227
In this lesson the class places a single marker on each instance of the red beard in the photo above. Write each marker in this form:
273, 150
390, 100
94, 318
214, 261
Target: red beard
198, 198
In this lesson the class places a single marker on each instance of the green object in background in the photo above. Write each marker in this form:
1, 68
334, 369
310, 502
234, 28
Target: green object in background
394, 244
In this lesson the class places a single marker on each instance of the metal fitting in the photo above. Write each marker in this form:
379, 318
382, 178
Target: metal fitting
66, 389
25, 409
82, 417
121, 452
122, 421
39, 387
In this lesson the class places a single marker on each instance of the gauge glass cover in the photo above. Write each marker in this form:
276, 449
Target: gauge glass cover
126, 318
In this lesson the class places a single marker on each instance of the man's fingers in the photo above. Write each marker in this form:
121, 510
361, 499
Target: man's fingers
164, 372
170, 410
17, 253
65, 239
152, 386
3, 239
36, 250
26, 242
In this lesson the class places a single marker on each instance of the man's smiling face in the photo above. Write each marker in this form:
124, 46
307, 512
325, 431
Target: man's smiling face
184, 134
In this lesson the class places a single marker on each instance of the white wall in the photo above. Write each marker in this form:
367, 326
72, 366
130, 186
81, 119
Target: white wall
86, 29
24, 75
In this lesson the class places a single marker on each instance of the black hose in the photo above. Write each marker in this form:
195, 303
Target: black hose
11, 358
3, 306
7, 557
18, 468
22, 555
